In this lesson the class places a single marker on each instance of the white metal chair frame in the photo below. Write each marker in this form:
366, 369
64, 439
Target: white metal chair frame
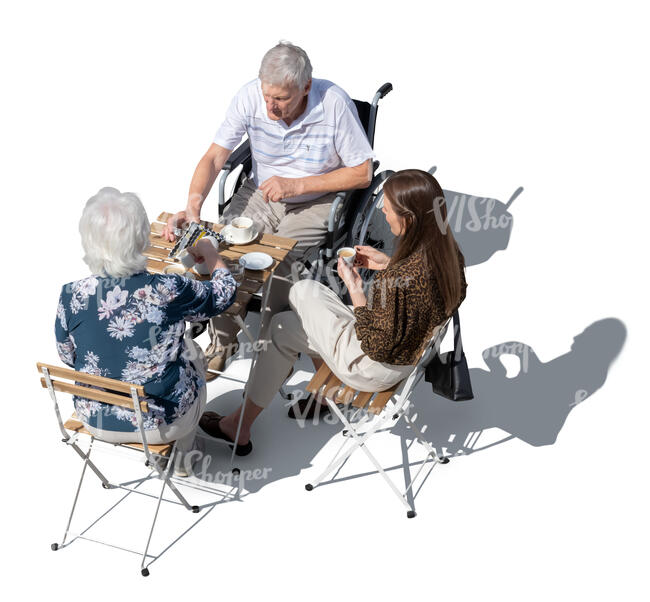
152, 460
355, 438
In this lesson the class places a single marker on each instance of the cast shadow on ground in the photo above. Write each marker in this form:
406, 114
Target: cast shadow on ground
481, 225
533, 406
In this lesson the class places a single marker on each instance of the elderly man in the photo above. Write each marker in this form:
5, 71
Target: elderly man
307, 144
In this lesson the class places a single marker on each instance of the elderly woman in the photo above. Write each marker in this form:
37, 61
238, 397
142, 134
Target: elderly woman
125, 323
374, 344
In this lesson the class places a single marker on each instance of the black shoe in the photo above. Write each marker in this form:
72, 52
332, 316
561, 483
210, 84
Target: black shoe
209, 423
197, 328
305, 409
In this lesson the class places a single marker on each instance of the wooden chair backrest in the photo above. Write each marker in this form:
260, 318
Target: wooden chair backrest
116, 392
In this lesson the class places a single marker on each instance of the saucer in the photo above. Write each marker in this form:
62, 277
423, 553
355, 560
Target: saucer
256, 261
226, 233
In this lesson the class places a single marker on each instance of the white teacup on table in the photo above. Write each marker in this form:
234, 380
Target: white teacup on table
348, 255
240, 231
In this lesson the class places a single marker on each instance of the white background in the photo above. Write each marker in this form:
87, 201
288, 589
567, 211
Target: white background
551, 96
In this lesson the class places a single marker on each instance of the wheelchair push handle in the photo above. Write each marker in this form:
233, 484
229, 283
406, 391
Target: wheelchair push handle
385, 89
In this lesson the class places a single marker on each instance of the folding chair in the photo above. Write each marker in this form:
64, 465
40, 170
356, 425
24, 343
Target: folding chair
118, 393
375, 411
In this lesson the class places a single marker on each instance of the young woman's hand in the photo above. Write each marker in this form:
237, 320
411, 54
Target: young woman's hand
371, 258
353, 282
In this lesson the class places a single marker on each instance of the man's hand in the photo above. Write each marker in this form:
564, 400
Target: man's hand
178, 220
277, 189
371, 258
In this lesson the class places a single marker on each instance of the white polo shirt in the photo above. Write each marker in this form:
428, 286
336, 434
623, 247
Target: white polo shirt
327, 136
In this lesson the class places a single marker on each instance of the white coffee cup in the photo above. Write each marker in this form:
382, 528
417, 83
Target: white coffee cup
240, 229
186, 259
347, 254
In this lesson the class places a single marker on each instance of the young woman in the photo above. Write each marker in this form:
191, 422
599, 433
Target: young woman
373, 344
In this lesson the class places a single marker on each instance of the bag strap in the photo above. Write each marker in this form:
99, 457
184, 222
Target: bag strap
458, 342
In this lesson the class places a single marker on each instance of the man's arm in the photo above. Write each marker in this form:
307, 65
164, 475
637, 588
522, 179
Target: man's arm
277, 188
204, 176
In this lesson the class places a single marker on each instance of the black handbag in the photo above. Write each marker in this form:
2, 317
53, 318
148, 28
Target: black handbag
448, 372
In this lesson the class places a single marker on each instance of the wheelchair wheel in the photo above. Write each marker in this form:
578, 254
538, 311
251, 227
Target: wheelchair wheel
369, 225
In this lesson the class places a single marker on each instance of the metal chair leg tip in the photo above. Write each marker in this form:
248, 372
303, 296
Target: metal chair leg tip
309, 486
410, 514
195, 509
54, 547
145, 572
444, 460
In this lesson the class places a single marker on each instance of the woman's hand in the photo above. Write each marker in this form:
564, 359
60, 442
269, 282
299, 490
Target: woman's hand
371, 258
353, 282
204, 250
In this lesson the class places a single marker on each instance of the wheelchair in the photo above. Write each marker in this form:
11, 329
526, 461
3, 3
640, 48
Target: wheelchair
345, 202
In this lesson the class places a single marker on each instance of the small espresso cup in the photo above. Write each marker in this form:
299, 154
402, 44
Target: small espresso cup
241, 229
347, 254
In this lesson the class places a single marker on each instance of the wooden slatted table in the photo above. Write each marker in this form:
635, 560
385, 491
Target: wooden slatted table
277, 247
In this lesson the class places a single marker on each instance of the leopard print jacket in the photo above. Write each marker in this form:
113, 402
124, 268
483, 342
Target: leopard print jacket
404, 306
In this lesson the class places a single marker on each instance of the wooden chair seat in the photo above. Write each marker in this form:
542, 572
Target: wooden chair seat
75, 425
326, 384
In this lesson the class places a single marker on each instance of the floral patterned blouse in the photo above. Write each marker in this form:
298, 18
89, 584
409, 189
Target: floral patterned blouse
132, 329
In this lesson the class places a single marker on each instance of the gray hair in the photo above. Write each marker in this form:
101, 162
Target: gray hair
114, 232
286, 65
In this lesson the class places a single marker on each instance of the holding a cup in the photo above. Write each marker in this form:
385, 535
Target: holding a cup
347, 254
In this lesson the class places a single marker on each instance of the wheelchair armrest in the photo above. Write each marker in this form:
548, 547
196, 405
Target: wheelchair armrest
239, 156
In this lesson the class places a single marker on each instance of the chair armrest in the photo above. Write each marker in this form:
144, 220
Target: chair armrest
239, 156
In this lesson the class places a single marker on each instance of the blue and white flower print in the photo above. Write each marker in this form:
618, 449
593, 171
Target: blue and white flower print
134, 331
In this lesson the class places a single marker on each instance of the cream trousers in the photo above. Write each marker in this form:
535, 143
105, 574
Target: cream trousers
319, 325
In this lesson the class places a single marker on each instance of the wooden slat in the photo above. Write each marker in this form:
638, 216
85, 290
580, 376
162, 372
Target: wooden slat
273, 240
346, 395
75, 425
332, 387
319, 379
88, 393
380, 400
362, 399
278, 254
158, 253
155, 267
156, 241
90, 379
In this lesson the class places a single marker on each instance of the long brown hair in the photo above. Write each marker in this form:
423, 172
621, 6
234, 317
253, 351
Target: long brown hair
418, 199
